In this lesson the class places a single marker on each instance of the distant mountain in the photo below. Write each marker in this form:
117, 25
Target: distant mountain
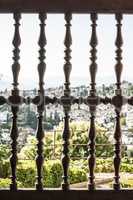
56, 81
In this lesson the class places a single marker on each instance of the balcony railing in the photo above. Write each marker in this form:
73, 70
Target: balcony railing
68, 7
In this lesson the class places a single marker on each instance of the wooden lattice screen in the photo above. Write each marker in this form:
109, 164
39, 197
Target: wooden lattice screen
68, 7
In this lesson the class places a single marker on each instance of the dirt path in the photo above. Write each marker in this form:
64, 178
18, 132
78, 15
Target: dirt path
103, 180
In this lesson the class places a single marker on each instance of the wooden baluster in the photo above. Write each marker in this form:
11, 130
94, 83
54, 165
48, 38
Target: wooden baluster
66, 104
40, 129
15, 94
92, 131
118, 93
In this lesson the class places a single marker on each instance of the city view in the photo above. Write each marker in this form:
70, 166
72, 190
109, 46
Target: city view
79, 127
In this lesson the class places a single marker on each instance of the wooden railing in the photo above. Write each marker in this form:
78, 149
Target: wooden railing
62, 6
68, 7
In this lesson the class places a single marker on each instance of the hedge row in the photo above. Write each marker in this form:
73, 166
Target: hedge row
52, 171
52, 174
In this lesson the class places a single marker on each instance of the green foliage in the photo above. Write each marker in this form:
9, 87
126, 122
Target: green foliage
52, 174
31, 119
77, 175
123, 121
127, 183
29, 150
52, 171
4, 151
127, 165
26, 173
48, 143
4, 169
79, 137
78, 143
5, 183
48, 126
104, 165
5, 126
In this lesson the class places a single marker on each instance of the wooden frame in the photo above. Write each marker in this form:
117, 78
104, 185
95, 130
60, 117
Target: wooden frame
64, 6
72, 194
61, 6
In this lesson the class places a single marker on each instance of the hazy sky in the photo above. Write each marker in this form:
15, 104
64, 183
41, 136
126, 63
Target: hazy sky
55, 32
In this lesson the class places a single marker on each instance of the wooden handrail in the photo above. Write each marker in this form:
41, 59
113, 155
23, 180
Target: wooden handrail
61, 6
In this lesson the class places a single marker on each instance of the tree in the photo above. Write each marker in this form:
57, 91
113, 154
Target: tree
29, 151
78, 142
31, 119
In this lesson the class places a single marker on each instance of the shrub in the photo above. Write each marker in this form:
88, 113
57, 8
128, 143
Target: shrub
104, 165
52, 171
52, 174
5, 183
77, 175
4, 168
127, 183
4, 151
125, 167
26, 173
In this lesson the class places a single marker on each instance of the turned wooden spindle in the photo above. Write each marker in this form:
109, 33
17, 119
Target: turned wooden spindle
14, 95
92, 130
118, 107
66, 104
40, 129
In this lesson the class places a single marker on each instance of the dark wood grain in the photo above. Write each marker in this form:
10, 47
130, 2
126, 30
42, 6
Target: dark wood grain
61, 6
40, 129
71, 194
68, 7
15, 94
66, 104
92, 131
116, 100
